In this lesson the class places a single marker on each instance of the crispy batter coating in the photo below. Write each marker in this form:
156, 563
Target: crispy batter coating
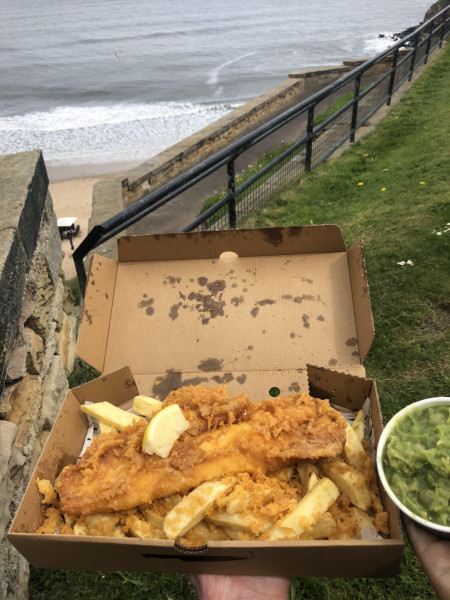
52, 522
233, 436
48, 491
208, 408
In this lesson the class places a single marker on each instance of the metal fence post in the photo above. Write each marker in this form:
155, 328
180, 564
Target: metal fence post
355, 109
413, 58
309, 141
232, 194
430, 33
443, 28
392, 78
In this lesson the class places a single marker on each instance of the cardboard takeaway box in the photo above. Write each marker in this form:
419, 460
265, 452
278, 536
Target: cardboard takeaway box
250, 308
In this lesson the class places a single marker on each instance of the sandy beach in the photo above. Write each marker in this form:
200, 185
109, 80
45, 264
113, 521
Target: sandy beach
73, 198
71, 188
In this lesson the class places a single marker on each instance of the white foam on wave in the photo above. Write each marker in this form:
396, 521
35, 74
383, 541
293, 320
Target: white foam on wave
72, 135
376, 44
213, 78
79, 117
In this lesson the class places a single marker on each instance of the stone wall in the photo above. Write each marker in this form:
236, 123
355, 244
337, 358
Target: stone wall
37, 340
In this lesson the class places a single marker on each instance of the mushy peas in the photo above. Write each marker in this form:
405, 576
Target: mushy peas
417, 463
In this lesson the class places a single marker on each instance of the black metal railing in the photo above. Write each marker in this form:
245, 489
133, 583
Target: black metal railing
317, 143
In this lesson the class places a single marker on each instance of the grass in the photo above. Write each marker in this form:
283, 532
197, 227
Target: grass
271, 155
75, 290
245, 175
401, 206
339, 103
83, 585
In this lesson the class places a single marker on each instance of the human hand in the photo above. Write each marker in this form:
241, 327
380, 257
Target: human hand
434, 554
240, 587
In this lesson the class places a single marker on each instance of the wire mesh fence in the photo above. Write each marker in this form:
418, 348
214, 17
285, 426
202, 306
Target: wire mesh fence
257, 194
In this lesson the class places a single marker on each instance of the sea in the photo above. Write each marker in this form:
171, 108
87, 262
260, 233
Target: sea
100, 84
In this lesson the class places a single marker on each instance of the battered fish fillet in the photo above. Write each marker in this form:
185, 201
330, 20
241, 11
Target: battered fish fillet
114, 474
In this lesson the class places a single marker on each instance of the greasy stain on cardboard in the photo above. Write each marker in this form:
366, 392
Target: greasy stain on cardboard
172, 380
210, 364
147, 304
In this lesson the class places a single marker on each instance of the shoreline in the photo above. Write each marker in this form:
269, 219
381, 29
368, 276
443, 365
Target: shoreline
59, 173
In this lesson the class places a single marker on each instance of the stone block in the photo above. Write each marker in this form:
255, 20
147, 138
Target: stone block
10, 461
35, 351
54, 390
23, 190
5, 398
50, 349
67, 342
58, 304
14, 573
13, 269
19, 357
17, 364
51, 242
46, 320
25, 413
43, 292
28, 305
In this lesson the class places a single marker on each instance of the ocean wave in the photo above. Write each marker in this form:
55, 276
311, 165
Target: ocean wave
76, 134
213, 77
79, 117
377, 43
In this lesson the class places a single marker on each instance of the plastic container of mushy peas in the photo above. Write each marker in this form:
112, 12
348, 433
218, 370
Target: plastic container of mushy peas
440, 530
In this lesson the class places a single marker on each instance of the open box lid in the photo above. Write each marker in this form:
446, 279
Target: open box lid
249, 308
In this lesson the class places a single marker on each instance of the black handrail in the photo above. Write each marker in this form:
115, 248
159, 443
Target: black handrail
164, 194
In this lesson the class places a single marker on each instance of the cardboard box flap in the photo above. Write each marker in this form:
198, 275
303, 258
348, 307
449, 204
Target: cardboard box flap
262, 384
96, 314
283, 298
335, 558
361, 298
244, 242
344, 389
117, 388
